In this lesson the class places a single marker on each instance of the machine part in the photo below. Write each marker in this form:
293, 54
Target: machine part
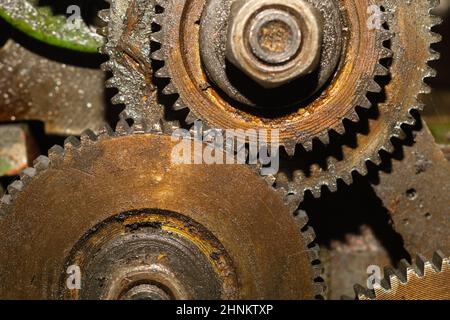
412, 48
41, 24
425, 280
124, 210
179, 38
274, 41
213, 35
16, 148
66, 98
416, 192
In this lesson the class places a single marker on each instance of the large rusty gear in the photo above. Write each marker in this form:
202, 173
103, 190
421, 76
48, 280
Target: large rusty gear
138, 225
131, 62
424, 280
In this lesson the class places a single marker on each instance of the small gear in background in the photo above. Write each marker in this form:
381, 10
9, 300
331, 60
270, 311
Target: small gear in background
143, 220
423, 280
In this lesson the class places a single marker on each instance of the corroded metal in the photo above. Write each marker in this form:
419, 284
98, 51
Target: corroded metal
120, 191
416, 192
41, 24
424, 280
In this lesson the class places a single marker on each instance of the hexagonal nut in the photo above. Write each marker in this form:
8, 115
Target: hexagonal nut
301, 37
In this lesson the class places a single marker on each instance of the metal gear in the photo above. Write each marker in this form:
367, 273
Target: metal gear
410, 61
138, 225
424, 280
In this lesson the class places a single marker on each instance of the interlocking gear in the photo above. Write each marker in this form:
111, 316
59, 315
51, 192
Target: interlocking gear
136, 224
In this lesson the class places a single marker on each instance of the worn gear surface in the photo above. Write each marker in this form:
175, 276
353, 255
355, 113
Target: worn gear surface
424, 280
72, 205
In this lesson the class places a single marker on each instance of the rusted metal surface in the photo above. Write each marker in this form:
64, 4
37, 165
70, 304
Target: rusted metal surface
17, 147
424, 280
112, 187
274, 41
66, 98
416, 191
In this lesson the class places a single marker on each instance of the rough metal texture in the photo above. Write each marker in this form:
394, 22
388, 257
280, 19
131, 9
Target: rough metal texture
416, 193
40, 23
274, 41
410, 61
103, 176
66, 98
424, 280
180, 53
213, 37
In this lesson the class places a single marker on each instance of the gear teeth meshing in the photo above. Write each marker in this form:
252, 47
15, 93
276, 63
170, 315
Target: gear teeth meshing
164, 72
404, 275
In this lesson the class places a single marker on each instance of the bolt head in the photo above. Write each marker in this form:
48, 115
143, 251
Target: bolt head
274, 41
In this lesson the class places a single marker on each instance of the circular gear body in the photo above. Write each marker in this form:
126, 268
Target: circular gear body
136, 225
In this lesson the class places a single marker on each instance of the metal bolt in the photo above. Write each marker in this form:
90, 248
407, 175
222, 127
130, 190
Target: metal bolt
274, 41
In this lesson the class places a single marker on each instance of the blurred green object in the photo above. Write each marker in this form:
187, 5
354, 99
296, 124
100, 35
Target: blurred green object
41, 24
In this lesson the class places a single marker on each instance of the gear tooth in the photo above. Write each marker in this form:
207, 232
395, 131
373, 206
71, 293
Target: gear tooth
318, 270
122, 127
388, 147
375, 159
118, 99
41, 163
88, 136
178, 105
309, 235
386, 53
104, 15
71, 143
380, 70
420, 265
362, 102
435, 37
302, 218
347, 178
332, 186
319, 289
404, 266
111, 83
158, 55
325, 138
158, 35
438, 260
429, 73
5, 201
158, 19
374, 86
27, 174
56, 154
15, 188
362, 170
363, 293
289, 147
105, 131
399, 133
106, 66
162, 72
169, 89
314, 253
139, 126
